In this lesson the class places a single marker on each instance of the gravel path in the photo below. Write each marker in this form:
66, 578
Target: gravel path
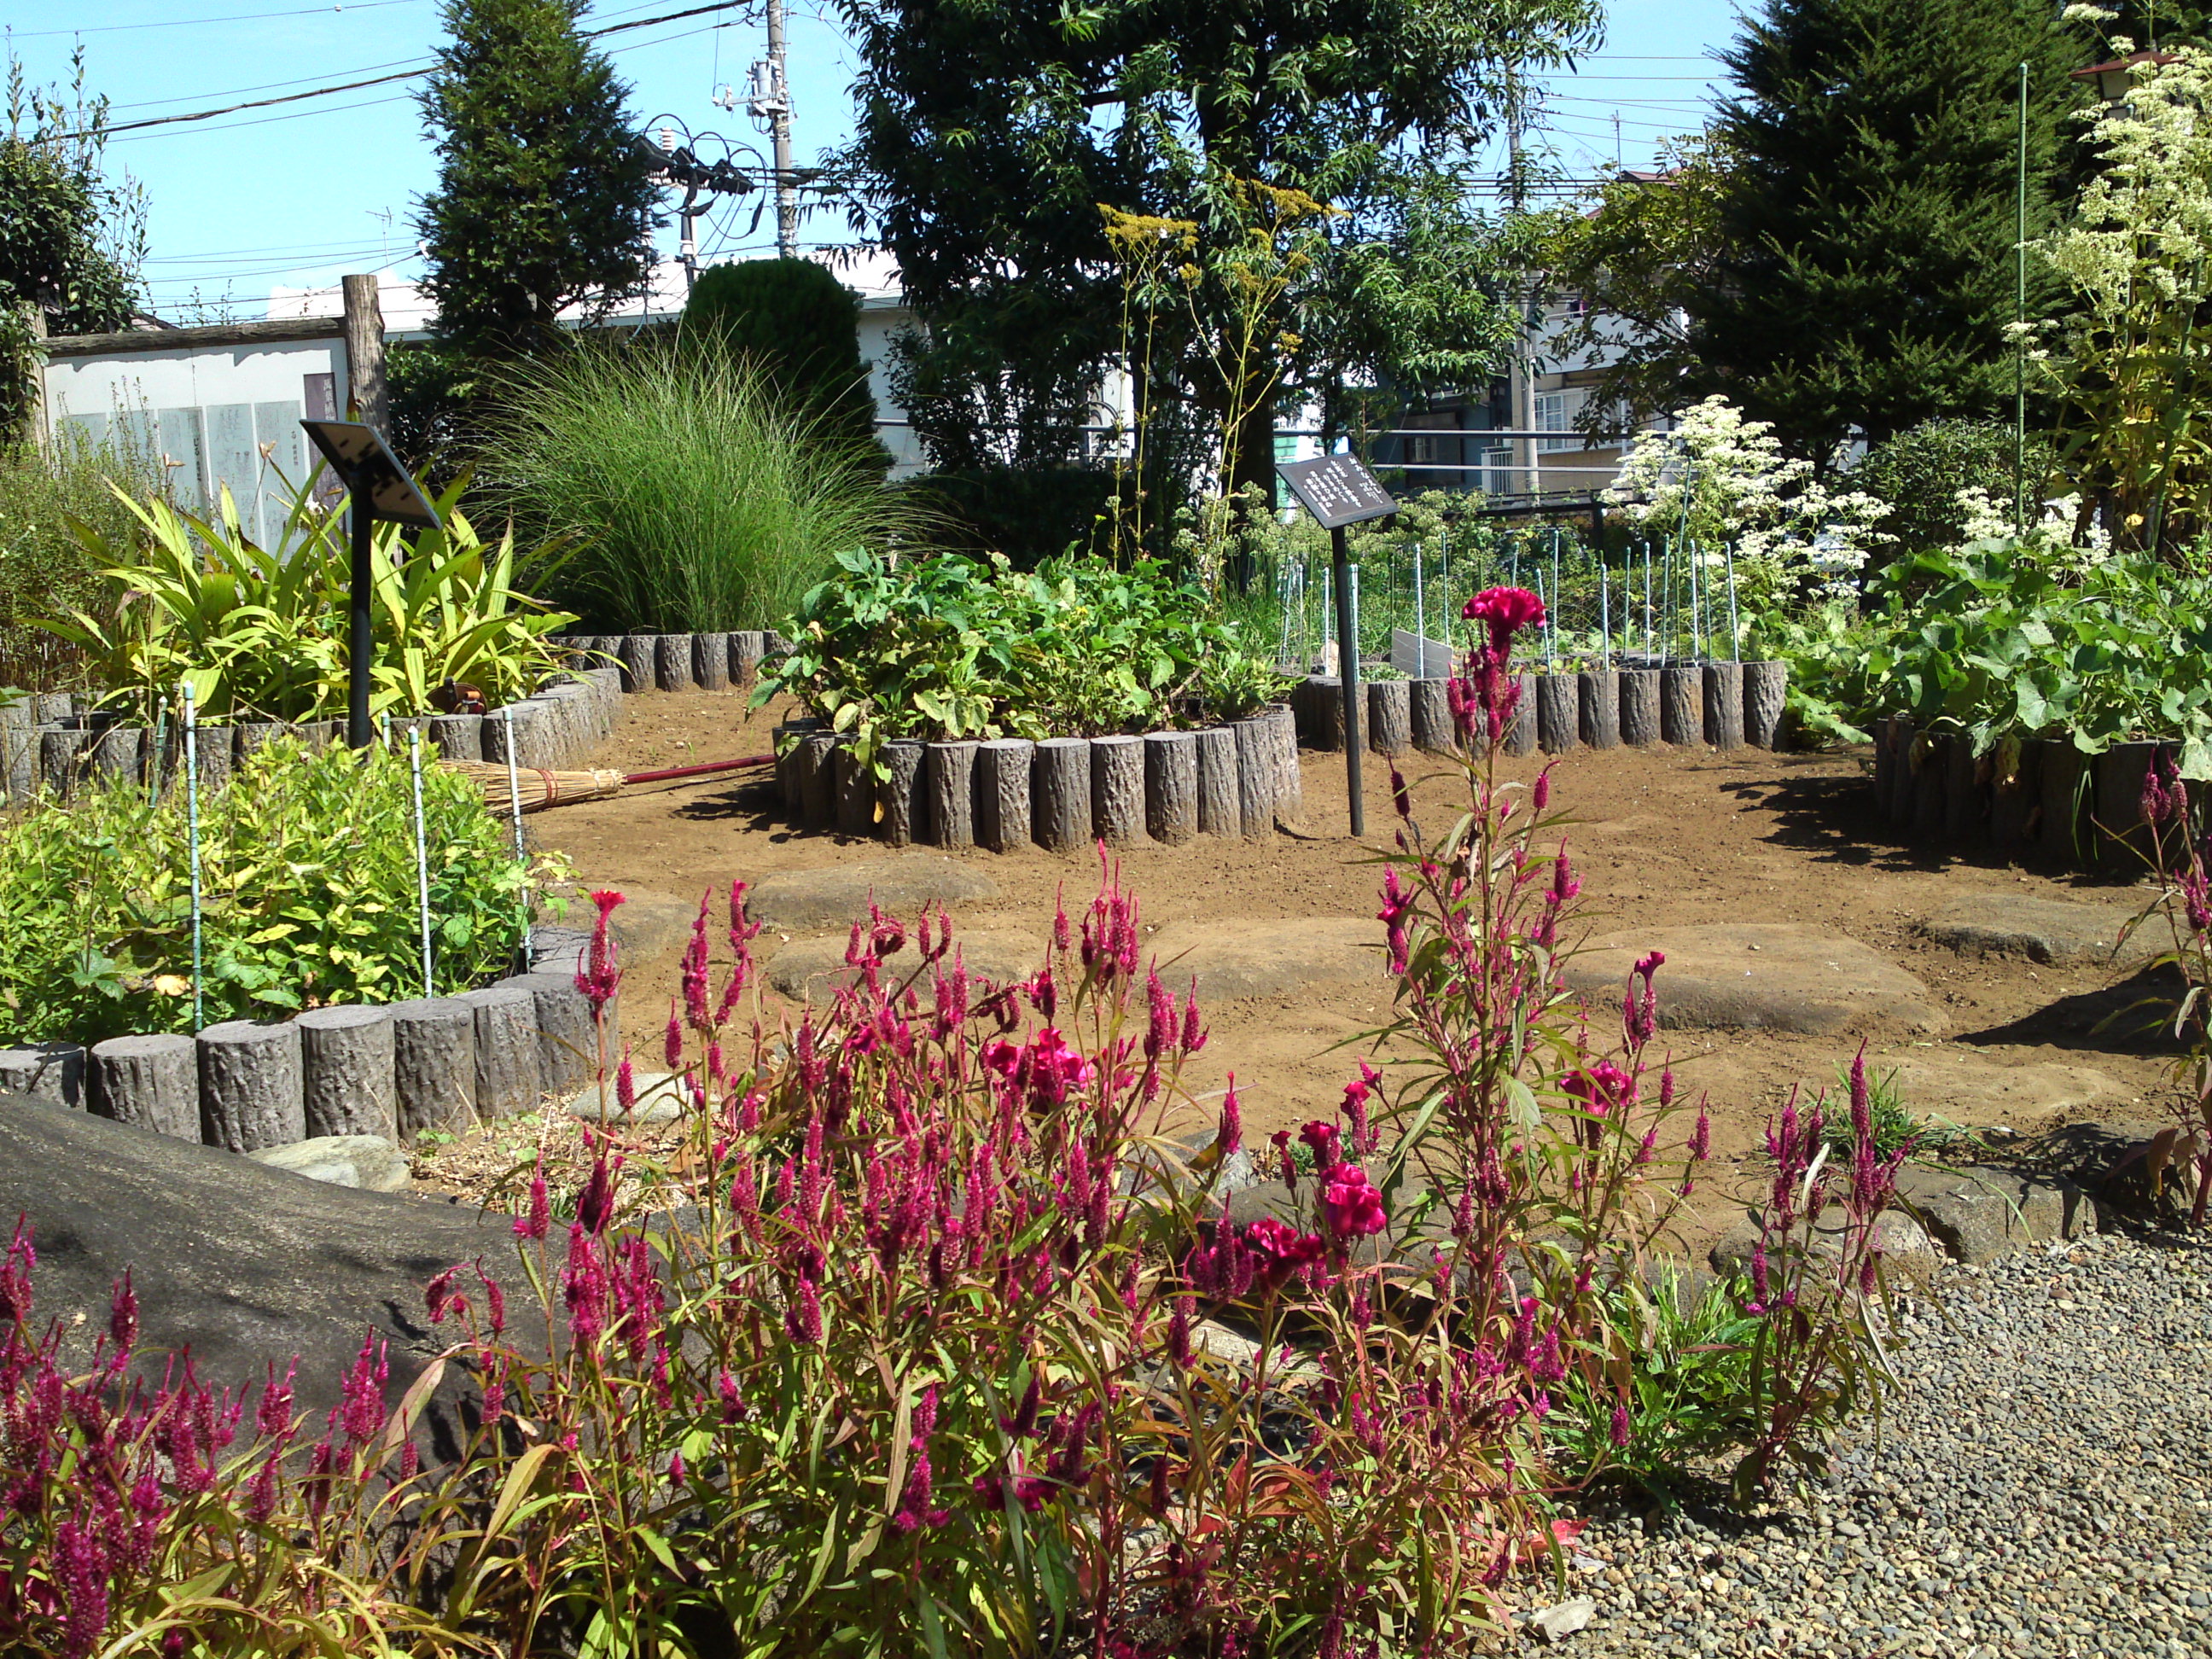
2044, 1486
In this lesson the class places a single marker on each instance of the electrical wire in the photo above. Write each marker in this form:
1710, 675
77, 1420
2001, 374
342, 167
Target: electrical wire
193, 22
374, 81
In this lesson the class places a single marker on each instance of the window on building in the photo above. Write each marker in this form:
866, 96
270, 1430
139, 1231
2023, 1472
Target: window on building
1555, 412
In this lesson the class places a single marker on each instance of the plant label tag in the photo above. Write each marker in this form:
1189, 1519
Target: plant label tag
1337, 490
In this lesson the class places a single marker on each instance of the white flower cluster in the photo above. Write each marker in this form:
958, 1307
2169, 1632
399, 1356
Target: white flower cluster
1985, 517
2145, 217
1718, 478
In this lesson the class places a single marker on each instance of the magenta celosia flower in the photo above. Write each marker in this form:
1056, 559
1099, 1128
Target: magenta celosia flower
1352, 1203
1504, 611
1321, 1138
123, 1317
534, 1225
601, 976
1232, 1134
1280, 1249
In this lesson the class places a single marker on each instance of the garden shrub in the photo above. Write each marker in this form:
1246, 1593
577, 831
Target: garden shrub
1029, 513
917, 1366
795, 323
697, 498
264, 633
1925, 471
951, 647
45, 495
308, 869
2014, 639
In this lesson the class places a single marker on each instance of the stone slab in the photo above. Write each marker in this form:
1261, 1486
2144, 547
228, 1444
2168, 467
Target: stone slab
369, 1163
1774, 976
816, 967
1234, 960
2045, 930
1971, 1089
836, 895
658, 1100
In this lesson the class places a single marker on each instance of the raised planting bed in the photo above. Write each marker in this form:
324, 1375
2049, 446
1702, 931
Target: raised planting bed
1233, 780
388, 1071
1718, 705
2039, 800
47, 744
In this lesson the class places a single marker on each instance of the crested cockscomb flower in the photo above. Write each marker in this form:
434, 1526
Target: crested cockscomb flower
1351, 1202
601, 974
1503, 612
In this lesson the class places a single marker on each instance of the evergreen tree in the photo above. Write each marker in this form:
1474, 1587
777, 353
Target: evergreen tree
542, 197
801, 325
1868, 224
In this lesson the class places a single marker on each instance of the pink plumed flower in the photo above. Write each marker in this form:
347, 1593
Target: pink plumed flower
1504, 611
1232, 1122
1352, 1203
601, 972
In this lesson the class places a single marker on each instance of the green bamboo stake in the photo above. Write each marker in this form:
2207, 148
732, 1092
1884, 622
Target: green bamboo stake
2020, 324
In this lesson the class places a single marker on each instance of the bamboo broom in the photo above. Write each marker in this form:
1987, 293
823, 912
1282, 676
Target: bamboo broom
541, 787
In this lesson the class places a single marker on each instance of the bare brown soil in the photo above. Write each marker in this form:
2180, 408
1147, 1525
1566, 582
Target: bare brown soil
1664, 838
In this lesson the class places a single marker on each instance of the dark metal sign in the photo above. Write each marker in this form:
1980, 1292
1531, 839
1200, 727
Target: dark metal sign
1337, 490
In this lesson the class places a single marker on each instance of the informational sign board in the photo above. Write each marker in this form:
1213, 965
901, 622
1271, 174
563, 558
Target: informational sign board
358, 455
1337, 490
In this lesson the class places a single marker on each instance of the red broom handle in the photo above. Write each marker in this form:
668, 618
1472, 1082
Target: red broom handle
699, 771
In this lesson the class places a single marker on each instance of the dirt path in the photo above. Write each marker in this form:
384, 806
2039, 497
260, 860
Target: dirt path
1665, 839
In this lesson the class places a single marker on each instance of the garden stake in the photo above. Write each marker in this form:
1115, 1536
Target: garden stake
1604, 618
514, 796
422, 856
1420, 619
1735, 647
1347, 653
1327, 584
192, 819
1551, 609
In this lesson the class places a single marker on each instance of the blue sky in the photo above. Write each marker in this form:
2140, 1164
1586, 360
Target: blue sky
298, 194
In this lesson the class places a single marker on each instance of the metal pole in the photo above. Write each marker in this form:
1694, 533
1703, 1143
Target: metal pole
421, 859
1735, 638
1604, 616
1420, 619
358, 640
2019, 321
1347, 656
786, 194
1551, 611
514, 799
192, 831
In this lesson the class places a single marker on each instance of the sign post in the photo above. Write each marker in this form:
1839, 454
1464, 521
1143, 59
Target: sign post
1338, 491
379, 488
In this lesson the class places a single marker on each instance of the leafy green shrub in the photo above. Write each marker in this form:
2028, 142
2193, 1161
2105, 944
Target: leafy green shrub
1923, 471
2017, 639
696, 498
953, 647
308, 869
800, 326
45, 495
261, 633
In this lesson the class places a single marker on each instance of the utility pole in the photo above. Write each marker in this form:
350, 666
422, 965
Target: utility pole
770, 103
1521, 383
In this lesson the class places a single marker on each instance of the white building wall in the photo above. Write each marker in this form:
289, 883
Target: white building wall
215, 415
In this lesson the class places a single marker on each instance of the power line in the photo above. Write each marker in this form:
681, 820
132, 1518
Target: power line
193, 22
356, 86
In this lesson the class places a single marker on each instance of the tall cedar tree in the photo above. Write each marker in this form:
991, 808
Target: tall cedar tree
990, 132
543, 199
1869, 219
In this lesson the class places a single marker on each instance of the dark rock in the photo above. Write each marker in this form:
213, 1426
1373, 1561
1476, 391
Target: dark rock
2046, 930
244, 1264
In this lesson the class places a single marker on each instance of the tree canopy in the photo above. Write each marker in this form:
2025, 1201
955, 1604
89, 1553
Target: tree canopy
543, 198
1864, 274
992, 132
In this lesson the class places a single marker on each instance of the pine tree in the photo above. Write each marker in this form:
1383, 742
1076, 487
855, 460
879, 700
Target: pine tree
1869, 224
543, 198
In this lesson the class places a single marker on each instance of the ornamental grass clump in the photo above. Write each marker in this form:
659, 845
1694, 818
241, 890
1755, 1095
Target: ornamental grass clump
917, 1345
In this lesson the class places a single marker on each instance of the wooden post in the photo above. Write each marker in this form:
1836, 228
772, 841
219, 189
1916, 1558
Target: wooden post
949, 775
1558, 712
1059, 793
1390, 716
1002, 793
1220, 810
1170, 787
366, 397
1681, 706
1601, 707
1117, 790
35, 414
905, 807
1723, 690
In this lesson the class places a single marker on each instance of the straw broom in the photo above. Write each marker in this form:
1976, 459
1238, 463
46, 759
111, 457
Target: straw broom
541, 787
